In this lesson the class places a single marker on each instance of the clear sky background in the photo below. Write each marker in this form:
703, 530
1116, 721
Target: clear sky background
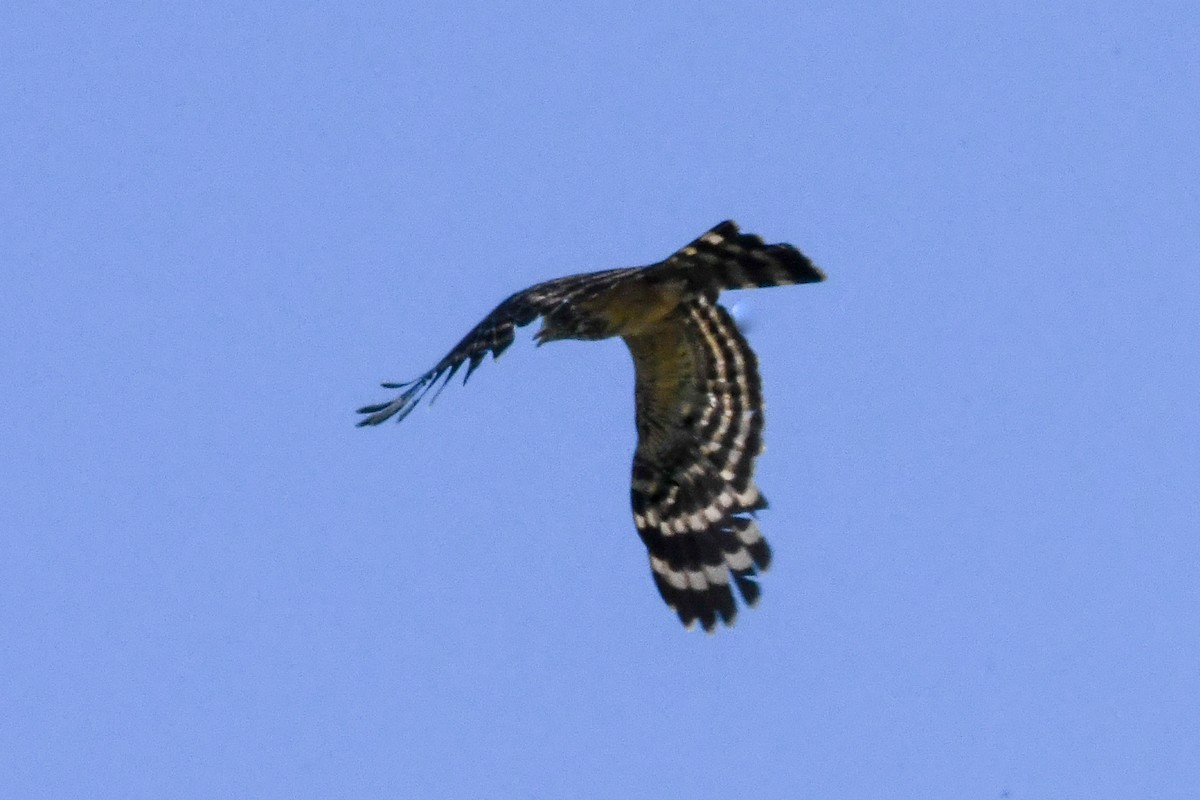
222, 225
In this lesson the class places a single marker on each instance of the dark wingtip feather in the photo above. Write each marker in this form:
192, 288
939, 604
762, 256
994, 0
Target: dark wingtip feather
760, 554
473, 362
748, 586
450, 374
402, 405
726, 606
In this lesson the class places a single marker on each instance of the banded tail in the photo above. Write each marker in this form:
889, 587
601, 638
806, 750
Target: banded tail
726, 258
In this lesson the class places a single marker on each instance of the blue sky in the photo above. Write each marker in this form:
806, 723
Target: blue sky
224, 225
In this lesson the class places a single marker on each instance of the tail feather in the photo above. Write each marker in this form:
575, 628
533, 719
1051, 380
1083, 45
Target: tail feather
730, 259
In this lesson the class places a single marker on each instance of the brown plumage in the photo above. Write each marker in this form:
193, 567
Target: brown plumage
698, 400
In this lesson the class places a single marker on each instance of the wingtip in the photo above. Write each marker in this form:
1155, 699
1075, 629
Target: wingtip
375, 417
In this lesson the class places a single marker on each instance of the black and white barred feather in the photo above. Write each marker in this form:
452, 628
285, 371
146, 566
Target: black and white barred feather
698, 401
693, 491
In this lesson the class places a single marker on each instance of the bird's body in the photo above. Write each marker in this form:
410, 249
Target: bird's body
698, 400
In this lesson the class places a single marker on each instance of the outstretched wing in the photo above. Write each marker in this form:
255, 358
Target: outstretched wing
721, 258
699, 421
494, 334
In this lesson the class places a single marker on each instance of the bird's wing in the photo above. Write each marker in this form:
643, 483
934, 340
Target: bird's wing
494, 334
699, 422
